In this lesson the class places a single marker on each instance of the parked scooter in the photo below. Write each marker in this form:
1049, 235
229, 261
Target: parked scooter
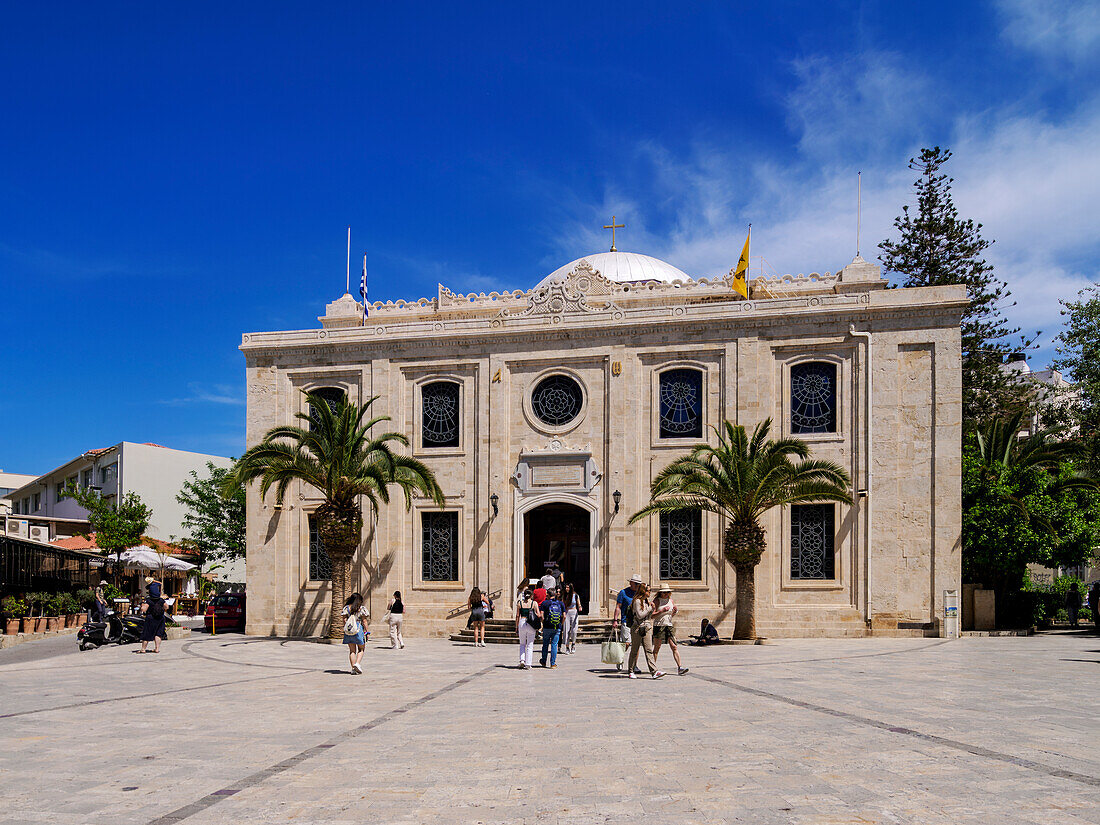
115, 629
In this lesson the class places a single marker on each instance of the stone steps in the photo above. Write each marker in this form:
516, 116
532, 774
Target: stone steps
590, 631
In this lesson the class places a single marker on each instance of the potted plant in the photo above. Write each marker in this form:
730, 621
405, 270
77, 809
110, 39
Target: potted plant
13, 610
53, 610
69, 608
39, 601
84, 599
28, 612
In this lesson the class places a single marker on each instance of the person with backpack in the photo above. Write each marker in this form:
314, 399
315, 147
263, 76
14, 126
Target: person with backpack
553, 613
356, 616
153, 629
528, 622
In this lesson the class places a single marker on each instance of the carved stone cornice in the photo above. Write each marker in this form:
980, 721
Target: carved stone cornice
584, 290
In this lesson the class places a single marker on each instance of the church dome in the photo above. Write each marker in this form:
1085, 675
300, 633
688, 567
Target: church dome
621, 266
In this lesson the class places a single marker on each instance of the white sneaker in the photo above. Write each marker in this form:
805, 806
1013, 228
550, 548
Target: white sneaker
658, 674
631, 676
356, 669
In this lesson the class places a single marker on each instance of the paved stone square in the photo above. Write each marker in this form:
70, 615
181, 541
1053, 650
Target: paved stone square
232, 729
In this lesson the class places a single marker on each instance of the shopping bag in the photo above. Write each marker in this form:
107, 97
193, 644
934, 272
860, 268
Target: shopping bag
612, 652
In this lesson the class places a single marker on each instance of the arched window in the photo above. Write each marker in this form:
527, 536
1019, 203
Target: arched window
439, 414
813, 397
333, 396
681, 399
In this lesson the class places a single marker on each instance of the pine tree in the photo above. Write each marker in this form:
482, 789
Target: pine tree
937, 248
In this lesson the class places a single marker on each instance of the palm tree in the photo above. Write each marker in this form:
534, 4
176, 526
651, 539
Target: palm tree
336, 454
740, 479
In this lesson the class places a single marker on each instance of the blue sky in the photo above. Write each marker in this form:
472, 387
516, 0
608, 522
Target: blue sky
177, 175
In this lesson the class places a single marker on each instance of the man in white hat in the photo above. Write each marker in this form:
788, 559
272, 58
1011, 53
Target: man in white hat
621, 620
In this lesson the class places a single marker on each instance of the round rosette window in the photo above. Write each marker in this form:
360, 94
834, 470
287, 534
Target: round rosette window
557, 400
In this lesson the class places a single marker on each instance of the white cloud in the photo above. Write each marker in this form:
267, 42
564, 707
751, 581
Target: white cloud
1066, 29
213, 394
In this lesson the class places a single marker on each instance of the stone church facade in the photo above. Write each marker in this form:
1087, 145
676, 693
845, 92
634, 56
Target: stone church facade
545, 413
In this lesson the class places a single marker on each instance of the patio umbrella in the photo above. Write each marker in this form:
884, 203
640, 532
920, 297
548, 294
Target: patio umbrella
142, 558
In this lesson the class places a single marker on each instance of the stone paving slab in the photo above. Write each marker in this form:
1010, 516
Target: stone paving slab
236, 729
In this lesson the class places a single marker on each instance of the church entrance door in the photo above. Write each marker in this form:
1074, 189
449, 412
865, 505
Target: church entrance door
559, 533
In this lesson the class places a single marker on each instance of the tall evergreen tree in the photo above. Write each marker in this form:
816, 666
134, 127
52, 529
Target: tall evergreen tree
936, 247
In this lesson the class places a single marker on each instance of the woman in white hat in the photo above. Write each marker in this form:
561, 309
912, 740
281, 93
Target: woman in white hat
663, 629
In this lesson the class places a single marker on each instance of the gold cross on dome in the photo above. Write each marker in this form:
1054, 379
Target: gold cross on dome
613, 226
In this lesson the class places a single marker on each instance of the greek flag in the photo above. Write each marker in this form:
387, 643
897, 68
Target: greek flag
363, 286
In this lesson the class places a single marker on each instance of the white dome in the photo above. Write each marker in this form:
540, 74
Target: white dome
621, 266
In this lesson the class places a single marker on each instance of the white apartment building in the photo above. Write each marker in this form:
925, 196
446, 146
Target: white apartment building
9, 482
154, 472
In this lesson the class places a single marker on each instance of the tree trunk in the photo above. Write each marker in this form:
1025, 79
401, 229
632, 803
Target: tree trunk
744, 545
340, 530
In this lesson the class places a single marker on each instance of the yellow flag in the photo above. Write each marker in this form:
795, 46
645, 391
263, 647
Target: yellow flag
740, 275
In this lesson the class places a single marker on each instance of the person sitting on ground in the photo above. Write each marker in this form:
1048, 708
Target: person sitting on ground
708, 634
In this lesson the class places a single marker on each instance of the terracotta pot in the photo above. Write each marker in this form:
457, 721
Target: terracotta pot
53, 623
40, 624
81, 619
28, 624
12, 627
70, 620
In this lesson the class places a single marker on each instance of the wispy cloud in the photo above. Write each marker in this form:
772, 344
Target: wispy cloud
1067, 29
207, 394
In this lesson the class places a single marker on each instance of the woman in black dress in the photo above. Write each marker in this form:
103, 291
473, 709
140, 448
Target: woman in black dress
153, 609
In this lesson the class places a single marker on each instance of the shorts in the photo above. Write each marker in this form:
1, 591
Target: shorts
666, 634
356, 639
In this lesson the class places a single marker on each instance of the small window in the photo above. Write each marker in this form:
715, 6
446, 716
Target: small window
107, 474
87, 479
333, 396
60, 491
681, 400
37, 502
439, 414
812, 553
439, 547
557, 400
681, 541
813, 398
320, 565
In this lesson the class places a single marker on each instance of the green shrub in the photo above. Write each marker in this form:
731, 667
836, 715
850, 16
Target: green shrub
68, 603
86, 597
12, 607
1062, 616
55, 604
37, 602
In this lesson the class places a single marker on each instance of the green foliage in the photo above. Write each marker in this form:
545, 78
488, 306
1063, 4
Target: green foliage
935, 248
12, 607
215, 514
336, 453
68, 604
1079, 354
55, 604
85, 597
117, 526
37, 602
1021, 513
1062, 616
110, 593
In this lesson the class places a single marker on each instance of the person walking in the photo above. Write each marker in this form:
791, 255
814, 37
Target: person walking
553, 612
356, 615
528, 621
396, 611
477, 616
641, 634
664, 631
572, 604
621, 621
153, 609
99, 605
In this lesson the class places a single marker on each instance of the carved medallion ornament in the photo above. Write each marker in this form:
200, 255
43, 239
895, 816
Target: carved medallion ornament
583, 290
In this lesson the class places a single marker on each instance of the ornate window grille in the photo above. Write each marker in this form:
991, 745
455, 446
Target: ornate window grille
681, 396
333, 396
681, 545
439, 414
557, 400
320, 565
812, 531
439, 547
813, 398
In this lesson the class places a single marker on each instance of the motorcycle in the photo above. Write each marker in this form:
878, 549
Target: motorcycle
114, 629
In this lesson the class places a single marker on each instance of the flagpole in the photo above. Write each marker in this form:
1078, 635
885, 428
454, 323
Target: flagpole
347, 287
859, 207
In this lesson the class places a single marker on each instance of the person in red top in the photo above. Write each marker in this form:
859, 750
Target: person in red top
539, 594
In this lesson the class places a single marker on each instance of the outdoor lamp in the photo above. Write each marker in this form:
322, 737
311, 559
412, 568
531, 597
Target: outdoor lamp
618, 497
494, 500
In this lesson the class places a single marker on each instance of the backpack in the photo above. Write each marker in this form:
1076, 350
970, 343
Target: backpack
351, 626
553, 614
534, 618
156, 608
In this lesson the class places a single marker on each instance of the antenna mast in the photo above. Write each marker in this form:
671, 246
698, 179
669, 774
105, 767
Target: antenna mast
859, 207
347, 286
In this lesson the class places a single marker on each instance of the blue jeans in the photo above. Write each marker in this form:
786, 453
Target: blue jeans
550, 638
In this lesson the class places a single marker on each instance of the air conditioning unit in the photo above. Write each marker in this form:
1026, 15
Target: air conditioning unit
17, 527
40, 532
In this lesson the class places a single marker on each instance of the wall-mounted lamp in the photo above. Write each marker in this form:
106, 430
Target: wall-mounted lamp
494, 501
617, 496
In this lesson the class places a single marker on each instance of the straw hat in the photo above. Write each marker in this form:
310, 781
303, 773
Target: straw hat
636, 579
